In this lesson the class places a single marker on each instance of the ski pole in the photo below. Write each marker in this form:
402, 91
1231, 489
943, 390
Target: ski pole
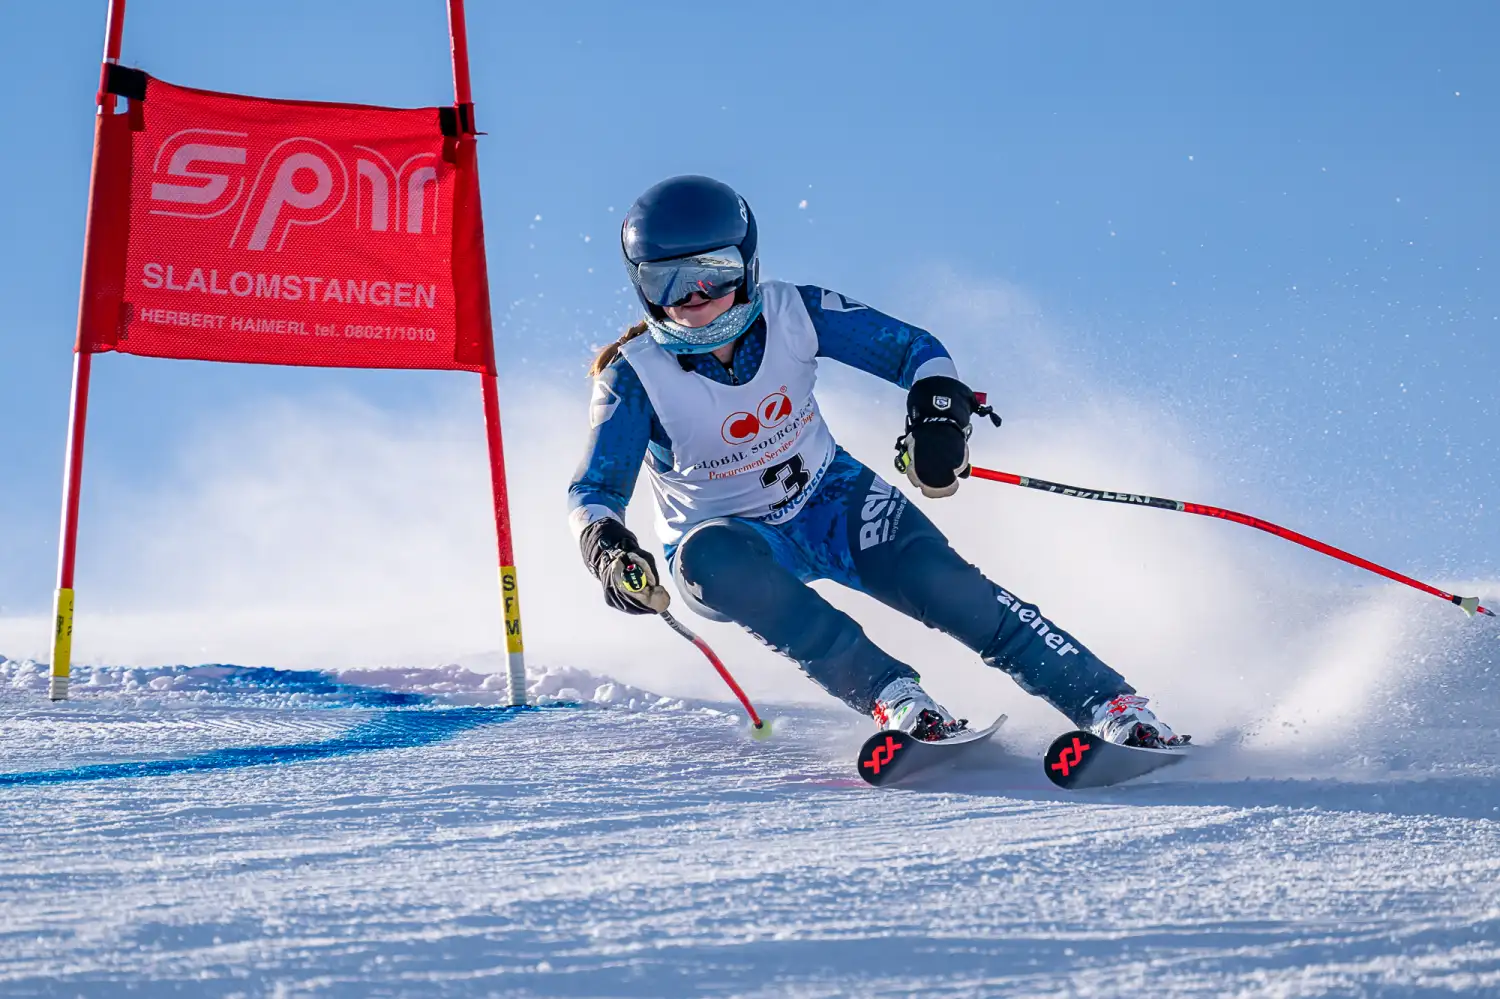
635, 580
1469, 604
758, 728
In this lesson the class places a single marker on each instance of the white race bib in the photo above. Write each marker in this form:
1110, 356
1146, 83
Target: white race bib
755, 450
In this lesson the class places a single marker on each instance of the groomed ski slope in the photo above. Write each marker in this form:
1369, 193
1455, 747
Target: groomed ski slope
218, 831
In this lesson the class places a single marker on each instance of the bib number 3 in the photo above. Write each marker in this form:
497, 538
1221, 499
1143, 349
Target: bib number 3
791, 475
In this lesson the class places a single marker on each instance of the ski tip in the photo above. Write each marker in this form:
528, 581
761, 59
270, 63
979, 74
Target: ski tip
760, 731
878, 755
1077, 760
1067, 757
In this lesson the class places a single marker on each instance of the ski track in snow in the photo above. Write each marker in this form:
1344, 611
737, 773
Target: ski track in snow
630, 845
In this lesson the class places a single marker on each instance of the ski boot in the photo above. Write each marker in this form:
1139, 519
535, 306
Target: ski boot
1125, 719
904, 705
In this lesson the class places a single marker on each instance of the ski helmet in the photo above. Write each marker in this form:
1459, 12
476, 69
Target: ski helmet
690, 234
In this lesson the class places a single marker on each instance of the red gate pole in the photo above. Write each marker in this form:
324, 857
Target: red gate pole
62, 606
510, 591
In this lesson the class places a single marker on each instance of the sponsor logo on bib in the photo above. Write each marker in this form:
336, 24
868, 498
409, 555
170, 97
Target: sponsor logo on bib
742, 427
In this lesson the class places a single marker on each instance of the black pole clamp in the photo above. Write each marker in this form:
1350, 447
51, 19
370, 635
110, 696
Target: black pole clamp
122, 81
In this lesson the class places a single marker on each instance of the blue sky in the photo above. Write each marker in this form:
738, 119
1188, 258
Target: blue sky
1276, 222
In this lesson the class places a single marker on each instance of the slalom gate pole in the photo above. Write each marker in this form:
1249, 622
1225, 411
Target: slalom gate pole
759, 729
510, 590
1469, 604
83, 358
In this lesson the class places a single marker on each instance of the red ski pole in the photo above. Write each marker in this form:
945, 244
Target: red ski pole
1469, 604
635, 579
758, 728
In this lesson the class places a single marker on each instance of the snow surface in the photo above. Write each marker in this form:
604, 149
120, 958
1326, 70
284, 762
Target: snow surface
219, 831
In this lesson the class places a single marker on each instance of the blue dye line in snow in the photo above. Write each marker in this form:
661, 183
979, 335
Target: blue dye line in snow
313, 682
298, 681
388, 730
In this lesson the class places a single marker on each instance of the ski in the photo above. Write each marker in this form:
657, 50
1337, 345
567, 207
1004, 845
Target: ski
890, 756
1081, 759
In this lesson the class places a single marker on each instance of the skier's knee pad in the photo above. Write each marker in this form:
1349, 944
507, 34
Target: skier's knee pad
716, 562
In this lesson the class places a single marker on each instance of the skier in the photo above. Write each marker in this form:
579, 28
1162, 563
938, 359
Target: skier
713, 391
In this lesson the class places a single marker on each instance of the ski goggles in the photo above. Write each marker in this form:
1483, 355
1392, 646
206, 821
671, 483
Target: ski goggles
713, 274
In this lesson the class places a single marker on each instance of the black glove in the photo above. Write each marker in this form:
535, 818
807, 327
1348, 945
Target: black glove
627, 572
934, 450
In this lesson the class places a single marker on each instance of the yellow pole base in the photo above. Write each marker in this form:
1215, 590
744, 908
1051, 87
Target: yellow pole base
515, 660
62, 644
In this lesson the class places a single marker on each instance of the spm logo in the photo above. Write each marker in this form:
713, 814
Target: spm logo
202, 173
294, 232
742, 427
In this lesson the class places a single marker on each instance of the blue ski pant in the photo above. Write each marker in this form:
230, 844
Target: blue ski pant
859, 531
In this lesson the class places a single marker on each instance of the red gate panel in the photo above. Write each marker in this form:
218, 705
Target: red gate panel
286, 232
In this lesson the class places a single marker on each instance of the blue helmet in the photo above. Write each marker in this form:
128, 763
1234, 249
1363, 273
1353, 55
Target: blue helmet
692, 234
